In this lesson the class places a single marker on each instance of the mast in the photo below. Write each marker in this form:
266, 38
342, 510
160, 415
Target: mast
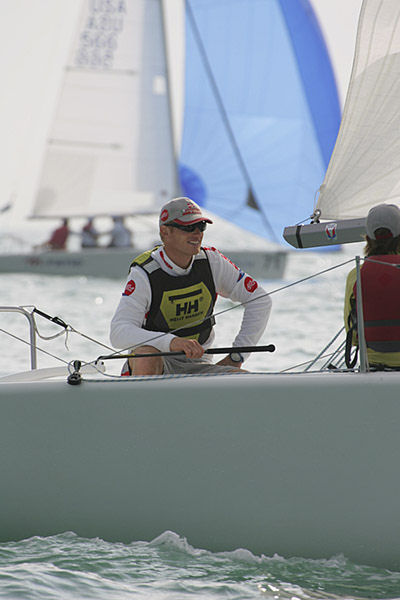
166, 24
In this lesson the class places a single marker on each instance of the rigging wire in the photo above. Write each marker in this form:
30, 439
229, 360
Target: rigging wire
37, 347
225, 310
69, 328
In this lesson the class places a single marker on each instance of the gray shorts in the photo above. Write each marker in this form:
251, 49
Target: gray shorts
176, 365
181, 364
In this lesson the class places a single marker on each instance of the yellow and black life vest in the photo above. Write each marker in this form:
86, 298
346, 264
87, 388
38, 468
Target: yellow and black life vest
182, 304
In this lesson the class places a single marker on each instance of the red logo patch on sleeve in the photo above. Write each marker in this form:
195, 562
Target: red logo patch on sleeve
250, 284
130, 288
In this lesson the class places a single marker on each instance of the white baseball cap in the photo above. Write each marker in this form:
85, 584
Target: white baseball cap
383, 216
182, 211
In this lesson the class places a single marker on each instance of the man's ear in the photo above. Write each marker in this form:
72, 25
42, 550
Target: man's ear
164, 232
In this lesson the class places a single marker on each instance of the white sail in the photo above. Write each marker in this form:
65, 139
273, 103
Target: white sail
110, 149
365, 166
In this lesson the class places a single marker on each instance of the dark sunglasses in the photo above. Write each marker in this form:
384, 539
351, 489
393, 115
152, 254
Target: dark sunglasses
201, 225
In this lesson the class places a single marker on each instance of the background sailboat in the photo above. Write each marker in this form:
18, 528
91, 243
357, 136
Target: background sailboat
111, 147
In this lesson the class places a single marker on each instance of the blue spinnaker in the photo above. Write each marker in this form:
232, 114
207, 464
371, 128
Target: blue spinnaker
261, 111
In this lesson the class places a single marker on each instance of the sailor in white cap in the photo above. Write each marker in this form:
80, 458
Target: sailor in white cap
168, 300
380, 278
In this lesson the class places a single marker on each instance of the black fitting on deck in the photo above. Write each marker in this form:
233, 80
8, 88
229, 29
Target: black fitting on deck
75, 378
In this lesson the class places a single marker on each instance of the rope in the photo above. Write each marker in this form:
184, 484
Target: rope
169, 376
93, 363
67, 328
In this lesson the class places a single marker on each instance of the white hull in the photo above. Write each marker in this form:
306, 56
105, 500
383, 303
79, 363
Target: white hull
299, 465
114, 262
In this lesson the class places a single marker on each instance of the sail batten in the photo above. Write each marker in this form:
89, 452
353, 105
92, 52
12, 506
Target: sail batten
115, 72
87, 144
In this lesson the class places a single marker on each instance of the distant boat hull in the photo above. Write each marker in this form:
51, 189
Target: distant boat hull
114, 262
299, 465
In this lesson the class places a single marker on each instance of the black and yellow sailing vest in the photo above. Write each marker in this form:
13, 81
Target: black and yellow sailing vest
182, 304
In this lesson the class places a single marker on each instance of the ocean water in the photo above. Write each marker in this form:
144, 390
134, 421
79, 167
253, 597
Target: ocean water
304, 318
67, 567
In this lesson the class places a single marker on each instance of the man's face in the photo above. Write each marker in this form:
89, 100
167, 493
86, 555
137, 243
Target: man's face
181, 244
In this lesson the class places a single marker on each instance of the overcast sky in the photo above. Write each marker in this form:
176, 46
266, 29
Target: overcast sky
338, 20
30, 71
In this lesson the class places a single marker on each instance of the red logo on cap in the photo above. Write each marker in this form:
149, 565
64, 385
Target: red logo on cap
164, 215
191, 209
130, 288
250, 284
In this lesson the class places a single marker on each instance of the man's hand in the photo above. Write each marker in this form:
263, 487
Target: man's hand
191, 348
227, 362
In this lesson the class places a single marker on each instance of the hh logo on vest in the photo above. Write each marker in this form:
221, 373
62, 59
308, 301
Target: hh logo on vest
186, 306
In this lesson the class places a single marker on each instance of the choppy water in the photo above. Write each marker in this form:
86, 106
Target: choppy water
303, 319
67, 566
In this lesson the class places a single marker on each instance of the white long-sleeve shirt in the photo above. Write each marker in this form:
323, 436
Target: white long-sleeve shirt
129, 318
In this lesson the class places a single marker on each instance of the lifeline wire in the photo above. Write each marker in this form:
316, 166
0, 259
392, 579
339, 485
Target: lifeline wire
66, 362
130, 348
37, 347
221, 312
